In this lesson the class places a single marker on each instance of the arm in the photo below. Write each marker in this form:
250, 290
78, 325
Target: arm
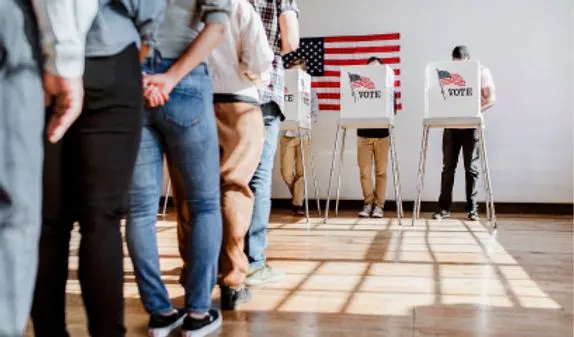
256, 54
487, 91
289, 26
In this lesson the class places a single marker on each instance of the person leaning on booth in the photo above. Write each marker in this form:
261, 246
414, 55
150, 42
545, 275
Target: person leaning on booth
467, 139
373, 145
290, 152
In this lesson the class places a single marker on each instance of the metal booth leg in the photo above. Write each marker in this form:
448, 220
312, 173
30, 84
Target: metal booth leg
396, 176
314, 174
421, 173
487, 181
167, 193
341, 159
303, 163
331, 172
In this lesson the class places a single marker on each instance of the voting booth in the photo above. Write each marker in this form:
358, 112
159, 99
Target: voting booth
297, 112
367, 102
453, 100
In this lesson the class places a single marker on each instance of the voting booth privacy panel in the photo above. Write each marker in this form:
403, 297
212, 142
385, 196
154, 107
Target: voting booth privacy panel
452, 90
367, 92
297, 109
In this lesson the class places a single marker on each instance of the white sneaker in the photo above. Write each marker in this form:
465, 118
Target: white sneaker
378, 212
366, 212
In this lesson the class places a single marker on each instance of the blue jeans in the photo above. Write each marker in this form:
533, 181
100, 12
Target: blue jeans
184, 129
256, 239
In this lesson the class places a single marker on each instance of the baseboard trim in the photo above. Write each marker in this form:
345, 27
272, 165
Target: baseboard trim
428, 206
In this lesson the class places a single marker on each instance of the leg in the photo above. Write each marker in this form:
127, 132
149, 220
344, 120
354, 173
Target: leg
260, 184
396, 175
241, 135
141, 236
301, 169
190, 131
331, 172
381, 150
109, 130
365, 152
183, 219
288, 153
487, 182
470, 143
21, 153
451, 146
341, 160
298, 183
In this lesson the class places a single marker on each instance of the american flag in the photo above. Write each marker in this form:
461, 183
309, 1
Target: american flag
447, 78
325, 56
358, 81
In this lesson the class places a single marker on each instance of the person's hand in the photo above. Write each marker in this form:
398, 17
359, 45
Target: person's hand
164, 82
153, 96
66, 95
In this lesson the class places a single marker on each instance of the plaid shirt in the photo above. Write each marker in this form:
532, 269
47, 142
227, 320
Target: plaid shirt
270, 11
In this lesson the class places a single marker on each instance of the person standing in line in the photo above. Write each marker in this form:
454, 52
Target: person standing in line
467, 139
238, 66
88, 172
62, 27
180, 123
290, 152
373, 146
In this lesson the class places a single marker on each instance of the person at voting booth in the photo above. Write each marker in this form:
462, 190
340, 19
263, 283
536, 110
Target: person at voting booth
290, 152
467, 139
373, 146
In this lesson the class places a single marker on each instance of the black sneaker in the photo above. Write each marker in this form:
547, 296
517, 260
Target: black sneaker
473, 216
162, 326
231, 298
201, 327
442, 214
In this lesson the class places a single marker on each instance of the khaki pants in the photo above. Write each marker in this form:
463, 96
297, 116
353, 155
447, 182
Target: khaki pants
377, 149
241, 134
292, 166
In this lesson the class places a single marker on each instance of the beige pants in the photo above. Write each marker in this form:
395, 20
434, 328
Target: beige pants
292, 166
377, 150
241, 134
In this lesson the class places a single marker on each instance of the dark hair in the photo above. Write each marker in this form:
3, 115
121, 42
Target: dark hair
460, 53
298, 62
374, 59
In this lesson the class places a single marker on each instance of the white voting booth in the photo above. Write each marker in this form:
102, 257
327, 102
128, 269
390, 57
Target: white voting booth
367, 102
452, 100
297, 111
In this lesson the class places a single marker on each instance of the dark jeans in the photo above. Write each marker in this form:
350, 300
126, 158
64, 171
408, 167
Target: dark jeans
86, 179
21, 152
452, 141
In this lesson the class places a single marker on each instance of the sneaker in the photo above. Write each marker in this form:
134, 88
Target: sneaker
264, 275
366, 212
473, 216
377, 212
442, 214
298, 210
232, 298
193, 327
163, 326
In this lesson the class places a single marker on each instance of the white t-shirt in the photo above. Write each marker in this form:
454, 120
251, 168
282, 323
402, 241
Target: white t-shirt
486, 80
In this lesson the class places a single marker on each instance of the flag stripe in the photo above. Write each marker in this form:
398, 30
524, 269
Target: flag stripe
356, 50
357, 38
337, 95
358, 62
337, 73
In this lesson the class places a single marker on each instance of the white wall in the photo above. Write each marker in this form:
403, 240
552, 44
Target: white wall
528, 46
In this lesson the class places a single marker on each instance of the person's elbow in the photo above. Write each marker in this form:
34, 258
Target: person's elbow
289, 28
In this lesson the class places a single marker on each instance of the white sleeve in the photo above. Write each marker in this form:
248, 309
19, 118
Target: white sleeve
486, 80
63, 27
257, 55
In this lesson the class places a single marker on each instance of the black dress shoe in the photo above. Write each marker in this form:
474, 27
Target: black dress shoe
231, 298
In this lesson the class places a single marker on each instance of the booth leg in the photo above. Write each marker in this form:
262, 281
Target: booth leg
331, 172
314, 174
421, 173
396, 176
488, 184
341, 159
167, 193
304, 164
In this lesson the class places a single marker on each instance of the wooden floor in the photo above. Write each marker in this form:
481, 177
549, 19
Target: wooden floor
364, 278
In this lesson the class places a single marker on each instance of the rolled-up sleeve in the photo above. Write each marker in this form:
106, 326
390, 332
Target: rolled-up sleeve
147, 16
215, 11
289, 5
63, 27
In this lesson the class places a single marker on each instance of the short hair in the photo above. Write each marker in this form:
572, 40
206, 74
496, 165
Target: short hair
460, 53
374, 59
298, 62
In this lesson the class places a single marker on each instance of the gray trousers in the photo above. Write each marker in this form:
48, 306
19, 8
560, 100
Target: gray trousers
21, 155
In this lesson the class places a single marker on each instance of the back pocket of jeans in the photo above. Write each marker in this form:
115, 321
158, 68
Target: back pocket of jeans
185, 107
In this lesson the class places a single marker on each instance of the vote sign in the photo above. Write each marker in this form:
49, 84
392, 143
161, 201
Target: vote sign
367, 91
298, 98
452, 89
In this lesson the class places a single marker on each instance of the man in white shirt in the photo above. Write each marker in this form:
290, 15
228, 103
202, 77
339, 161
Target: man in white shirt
63, 25
467, 139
